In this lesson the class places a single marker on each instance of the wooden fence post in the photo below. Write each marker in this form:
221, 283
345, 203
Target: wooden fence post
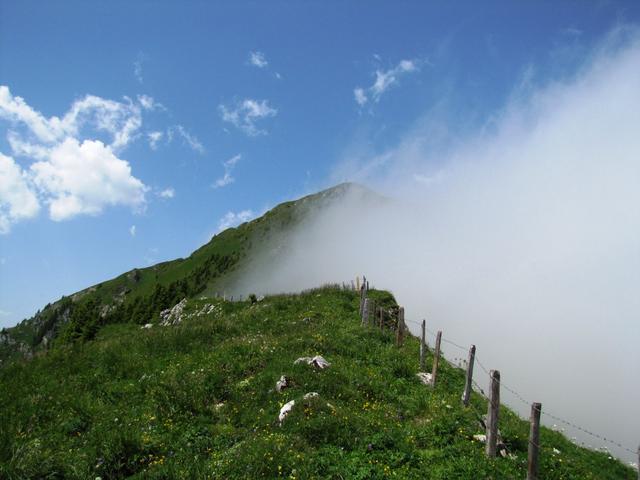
534, 442
358, 282
493, 413
365, 312
423, 347
381, 313
436, 358
467, 387
400, 327
371, 320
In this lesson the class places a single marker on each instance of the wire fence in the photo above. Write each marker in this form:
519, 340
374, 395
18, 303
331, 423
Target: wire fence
522, 399
515, 393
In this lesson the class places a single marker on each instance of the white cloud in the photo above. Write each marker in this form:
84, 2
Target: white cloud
132, 230
121, 120
571, 31
137, 68
189, 139
257, 59
167, 193
154, 138
246, 113
137, 71
228, 165
384, 80
74, 171
22, 148
16, 110
17, 199
149, 103
232, 219
83, 178
360, 96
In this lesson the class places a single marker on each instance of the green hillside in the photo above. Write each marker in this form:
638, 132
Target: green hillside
139, 295
198, 400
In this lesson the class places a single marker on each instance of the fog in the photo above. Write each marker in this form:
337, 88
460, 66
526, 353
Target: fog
521, 237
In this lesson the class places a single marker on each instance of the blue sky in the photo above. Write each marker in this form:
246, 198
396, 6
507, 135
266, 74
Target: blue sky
130, 132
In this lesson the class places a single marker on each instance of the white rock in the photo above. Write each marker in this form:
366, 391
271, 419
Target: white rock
480, 437
147, 325
282, 384
309, 395
317, 361
173, 315
424, 377
285, 410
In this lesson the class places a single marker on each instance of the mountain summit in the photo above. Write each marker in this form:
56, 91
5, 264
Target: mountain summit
138, 296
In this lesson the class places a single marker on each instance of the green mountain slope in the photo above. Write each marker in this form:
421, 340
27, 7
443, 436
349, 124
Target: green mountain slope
198, 400
139, 295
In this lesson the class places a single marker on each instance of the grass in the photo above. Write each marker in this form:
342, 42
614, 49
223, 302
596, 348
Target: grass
197, 400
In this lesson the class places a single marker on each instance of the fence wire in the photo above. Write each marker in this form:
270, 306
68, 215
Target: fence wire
521, 398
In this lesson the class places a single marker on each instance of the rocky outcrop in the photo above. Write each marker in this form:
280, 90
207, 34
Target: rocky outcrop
173, 315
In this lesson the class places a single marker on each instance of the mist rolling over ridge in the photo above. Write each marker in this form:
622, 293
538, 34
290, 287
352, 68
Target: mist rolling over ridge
522, 237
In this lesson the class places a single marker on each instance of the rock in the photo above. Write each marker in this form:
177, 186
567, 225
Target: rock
206, 309
147, 326
317, 361
285, 410
480, 437
424, 377
309, 395
282, 384
6, 339
173, 315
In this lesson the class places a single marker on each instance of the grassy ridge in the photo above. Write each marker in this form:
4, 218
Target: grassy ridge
138, 295
197, 400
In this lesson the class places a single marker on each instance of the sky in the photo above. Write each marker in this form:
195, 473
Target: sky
131, 132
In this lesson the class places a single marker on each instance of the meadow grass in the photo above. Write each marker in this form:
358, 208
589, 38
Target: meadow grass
198, 400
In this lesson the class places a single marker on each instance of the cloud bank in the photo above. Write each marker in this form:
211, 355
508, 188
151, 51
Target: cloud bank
522, 238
